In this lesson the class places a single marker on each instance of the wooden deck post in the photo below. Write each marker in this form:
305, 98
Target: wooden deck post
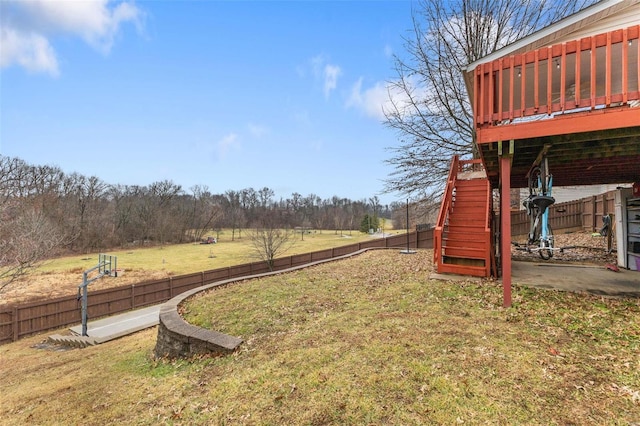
505, 219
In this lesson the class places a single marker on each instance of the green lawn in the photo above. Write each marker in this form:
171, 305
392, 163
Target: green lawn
366, 340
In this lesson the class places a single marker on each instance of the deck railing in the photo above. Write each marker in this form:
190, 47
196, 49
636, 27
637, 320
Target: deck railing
594, 72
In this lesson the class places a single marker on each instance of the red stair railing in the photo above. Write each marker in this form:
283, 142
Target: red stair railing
445, 209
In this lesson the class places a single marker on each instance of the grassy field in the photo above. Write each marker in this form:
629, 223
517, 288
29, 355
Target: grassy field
368, 340
180, 259
59, 277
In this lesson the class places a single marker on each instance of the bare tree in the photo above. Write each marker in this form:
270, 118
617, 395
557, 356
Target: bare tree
83, 211
233, 213
269, 241
27, 234
264, 196
429, 104
206, 211
26, 239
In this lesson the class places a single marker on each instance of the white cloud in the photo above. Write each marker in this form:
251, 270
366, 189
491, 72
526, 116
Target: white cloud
375, 100
371, 101
227, 144
327, 73
331, 74
31, 51
28, 28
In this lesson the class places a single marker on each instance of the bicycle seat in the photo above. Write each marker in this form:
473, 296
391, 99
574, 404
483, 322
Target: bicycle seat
542, 202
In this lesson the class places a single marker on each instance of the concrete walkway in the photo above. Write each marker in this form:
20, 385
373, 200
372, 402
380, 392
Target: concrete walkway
115, 326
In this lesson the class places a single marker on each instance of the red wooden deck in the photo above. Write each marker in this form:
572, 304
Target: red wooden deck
577, 103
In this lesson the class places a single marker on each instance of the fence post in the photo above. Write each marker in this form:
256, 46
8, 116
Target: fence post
594, 210
133, 296
170, 287
16, 328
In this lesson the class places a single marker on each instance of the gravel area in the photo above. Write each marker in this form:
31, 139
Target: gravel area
580, 247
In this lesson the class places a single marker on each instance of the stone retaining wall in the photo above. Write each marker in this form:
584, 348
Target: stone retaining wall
179, 339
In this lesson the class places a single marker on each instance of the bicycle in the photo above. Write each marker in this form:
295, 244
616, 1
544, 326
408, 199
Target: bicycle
540, 237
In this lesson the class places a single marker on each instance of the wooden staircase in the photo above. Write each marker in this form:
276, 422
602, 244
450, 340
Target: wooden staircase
463, 242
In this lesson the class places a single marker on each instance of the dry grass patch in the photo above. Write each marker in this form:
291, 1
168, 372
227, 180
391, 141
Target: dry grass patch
369, 340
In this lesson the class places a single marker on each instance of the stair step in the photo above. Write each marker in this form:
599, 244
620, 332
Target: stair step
472, 182
72, 341
467, 185
464, 214
474, 206
470, 206
474, 194
469, 234
476, 271
475, 189
465, 237
466, 227
479, 245
466, 220
472, 235
466, 252
478, 204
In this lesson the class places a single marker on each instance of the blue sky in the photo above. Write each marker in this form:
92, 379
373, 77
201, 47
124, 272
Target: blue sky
226, 94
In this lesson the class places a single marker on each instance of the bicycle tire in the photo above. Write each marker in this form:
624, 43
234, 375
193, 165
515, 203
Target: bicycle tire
544, 177
546, 253
534, 229
534, 176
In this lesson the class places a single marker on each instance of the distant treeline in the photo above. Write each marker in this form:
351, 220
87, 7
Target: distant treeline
73, 213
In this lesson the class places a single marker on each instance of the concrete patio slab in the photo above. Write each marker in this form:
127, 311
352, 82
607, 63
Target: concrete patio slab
574, 277
569, 277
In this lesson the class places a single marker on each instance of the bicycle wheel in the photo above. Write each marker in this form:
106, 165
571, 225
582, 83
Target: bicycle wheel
534, 178
546, 246
534, 227
543, 183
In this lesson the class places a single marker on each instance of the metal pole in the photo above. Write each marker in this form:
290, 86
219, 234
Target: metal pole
85, 284
505, 232
408, 251
407, 225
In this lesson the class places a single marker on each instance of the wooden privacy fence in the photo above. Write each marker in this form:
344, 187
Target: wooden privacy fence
593, 208
584, 214
32, 318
